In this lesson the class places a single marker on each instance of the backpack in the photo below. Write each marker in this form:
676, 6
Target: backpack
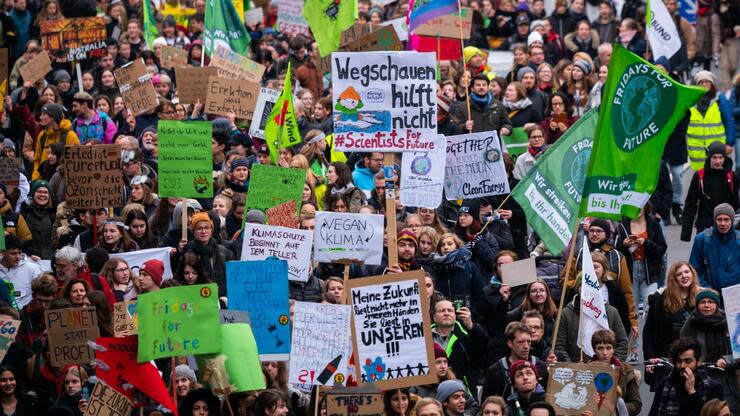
62, 138
730, 180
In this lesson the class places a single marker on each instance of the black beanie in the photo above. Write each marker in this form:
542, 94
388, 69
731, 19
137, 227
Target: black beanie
603, 224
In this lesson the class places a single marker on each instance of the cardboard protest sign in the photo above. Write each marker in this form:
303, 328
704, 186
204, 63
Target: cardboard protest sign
731, 296
382, 39
173, 57
125, 318
290, 244
270, 186
93, 176
185, 165
10, 170
519, 273
178, 321
237, 367
266, 100
573, 388
36, 68
136, 87
321, 344
261, 288
283, 215
234, 66
69, 330
352, 33
74, 39
423, 175
348, 237
192, 83
475, 166
400, 26
395, 351
233, 317
253, 17
136, 258
448, 26
8, 332
289, 19
226, 96
394, 109
106, 401
365, 400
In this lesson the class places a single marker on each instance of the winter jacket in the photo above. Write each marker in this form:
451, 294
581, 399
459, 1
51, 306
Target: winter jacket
36, 236
99, 130
655, 246
217, 260
21, 276
661, 327
607, 31
363, 177
700, 203
9, 217
491, 117
311, 78
716, 258
733, 99
574, 44
519, 118
675, 151
566, 345
465, 350
538, 395
490, 313
497, 381
62, 134
456, 275
686, 404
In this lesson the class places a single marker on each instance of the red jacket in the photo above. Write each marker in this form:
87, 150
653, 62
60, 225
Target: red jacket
96, 283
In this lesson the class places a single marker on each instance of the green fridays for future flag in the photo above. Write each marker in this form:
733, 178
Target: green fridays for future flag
641, 106
223, 25
551, 191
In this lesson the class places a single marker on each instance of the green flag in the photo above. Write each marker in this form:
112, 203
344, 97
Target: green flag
223, 25
237, 366
150, 25
328, 19
550, 192
640, 107
282, 125
517, 142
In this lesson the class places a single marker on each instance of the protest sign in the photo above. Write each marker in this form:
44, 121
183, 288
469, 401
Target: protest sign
321, 344
192, 83
574, 388
136, 87
283, 215
344, 237
384, 101
517, 142
36, 68
69, 330
261, 288
475, 166
237, 367
178, 321
10, 170
448, 26
106, 401
125, 318
393, 348
173, 57
233, 317
74, 39
226, 96
234, 66
271, 186
731, 296
365, 400
265, 102
136, 258
519, 273
185, 166
93, 176
423, 175
290, 244
253, 17
8, 332
444, 48
400, 26
351, 34
289, 19
382, 39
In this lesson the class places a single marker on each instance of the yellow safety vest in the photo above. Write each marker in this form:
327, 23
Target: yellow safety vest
703, 131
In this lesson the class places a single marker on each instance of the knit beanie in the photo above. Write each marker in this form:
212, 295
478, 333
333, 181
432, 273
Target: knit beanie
470, 207
534, 37
523, 71
255, 216
183, 370
407, 235
55, 111
439, 352
724, 209
447, 388
707, 294
469, 52
520, 364
443, 104
716, 148
603, 224
584, 66
155, 269
39, 183
704, 76
239, 161
61, 75
200, 217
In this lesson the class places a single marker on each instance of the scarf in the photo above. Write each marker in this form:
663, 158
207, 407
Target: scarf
713, 330
408, 265
517, 105
482, 101
206, 252
534, 151
626, 37
669, 404
343, 190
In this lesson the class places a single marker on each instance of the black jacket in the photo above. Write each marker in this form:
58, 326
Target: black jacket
490, 313
497, 381
465, 351
655, 246
524, 116
715, 190
485, 118
687, 404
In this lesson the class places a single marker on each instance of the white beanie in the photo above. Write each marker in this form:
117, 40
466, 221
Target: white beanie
534, 37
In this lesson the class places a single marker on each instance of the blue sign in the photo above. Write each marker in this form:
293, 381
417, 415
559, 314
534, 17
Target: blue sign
687, 9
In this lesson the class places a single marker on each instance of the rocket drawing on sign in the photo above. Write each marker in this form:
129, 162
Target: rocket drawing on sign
329, 370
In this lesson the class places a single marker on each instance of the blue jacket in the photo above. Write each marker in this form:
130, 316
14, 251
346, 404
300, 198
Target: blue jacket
716, 258
734, 102
363, 178
725, 109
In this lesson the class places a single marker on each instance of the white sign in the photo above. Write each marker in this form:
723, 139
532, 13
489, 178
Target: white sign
290, 244
475, 166
731, 296
266, 100
402, 30
254, 16
384, 101
593, 308
343, 236
136, 258
320, 344
423, 175
290, 20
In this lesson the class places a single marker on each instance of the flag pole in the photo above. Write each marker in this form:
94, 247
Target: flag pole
462, 57
568, 266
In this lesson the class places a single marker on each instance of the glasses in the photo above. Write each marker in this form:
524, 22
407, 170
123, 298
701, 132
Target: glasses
122, 270
536, 291
203, 228
595, 231
536, 136
377, 160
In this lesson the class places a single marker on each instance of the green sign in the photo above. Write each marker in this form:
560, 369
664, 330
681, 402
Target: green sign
185, 165
178, 321
271, 186
550, 192
641, 106
238, 363
517, 142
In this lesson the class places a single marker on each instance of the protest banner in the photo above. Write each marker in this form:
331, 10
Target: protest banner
290, 244
125, 318
237, 367
519, 273
185, 165
574, 388
365, 400
136, 258
392, 349
384, 38
173, 57
321, 344
261, 288
226, 96
93, 176
106, 401
136, 87
475, 166
423, 175
271, 186
234, 66
178, 321
36, 68
384, 101
289, 18
262, 109
253, 17
233, 317
76, 39
283, 215
10, 170
517, 142
444, 48
192, 83
731, 296
68, 331
448, 26
8, 332
348, 238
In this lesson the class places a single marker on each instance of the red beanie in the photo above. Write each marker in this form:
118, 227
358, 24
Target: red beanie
155, 269
439, 352
519, 364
